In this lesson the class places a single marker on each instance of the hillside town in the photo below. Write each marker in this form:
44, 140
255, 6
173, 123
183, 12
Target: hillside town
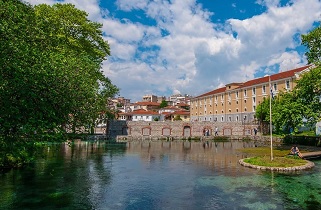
152, 108
234, 102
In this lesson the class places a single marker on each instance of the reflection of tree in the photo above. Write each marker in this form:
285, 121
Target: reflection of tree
74, 176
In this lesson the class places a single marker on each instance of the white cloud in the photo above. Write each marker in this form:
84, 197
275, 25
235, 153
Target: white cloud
123, 32
185, 52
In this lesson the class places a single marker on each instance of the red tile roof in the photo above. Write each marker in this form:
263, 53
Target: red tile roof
278, 76
143, 112
147, 103
261, 80
181, 113
219, 90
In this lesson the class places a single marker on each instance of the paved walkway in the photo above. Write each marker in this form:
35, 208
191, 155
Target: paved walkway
309, 155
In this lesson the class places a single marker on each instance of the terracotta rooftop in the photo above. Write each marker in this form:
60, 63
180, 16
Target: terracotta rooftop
147, 103
219, 90
261, 80
142, 112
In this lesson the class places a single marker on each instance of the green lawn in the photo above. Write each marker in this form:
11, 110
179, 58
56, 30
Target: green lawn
262, 157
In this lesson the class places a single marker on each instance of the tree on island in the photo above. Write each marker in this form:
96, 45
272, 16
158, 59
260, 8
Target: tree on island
51, 80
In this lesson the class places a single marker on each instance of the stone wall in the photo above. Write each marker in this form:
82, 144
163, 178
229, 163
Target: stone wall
177, 129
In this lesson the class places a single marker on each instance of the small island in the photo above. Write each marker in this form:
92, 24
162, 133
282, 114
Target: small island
281, 161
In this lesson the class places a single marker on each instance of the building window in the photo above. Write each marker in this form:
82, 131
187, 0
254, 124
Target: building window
275, 87
230, 119
254, 108
245, 93
264, 89
287, 85
237, 110
222, 97
222, 119
237, 94
254, 91
237, 118
245, 109
254, 100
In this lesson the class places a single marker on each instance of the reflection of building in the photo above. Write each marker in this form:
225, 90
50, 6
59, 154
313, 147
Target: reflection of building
220, 156
238, 101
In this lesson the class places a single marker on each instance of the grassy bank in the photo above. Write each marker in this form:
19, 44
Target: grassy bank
262, 157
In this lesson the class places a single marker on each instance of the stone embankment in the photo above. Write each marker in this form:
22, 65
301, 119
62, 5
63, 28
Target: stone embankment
179, 130
308, 165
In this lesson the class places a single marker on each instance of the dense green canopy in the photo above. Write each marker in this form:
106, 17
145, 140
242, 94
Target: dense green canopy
51, 79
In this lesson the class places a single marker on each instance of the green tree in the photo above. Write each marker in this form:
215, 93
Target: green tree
262, 112
163, 104
307, 93
287, 112
177, 118
51, 77
312, 41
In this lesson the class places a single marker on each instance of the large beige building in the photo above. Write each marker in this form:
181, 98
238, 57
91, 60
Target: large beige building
238, 101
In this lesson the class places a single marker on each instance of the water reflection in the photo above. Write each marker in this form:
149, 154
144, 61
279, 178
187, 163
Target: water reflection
155, 175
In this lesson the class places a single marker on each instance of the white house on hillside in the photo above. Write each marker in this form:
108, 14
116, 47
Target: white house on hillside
139, 115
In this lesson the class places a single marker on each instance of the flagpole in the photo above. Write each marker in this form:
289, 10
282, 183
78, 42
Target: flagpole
271, 139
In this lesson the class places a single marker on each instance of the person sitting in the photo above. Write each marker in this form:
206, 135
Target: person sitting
295, 151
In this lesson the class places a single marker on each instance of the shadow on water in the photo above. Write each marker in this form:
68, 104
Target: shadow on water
155, 175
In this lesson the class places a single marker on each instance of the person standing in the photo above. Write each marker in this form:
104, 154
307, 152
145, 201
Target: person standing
255, 131
216, 131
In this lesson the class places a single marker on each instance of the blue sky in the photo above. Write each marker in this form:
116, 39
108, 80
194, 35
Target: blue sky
166, 47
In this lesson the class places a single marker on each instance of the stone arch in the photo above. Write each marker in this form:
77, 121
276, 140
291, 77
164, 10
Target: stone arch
187, 130
146, 131
125, 130
247, 131
166, 131
227, 131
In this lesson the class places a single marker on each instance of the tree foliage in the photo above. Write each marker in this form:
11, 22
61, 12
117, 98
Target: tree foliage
163, 104
287, 112
177, 118
312, 41
262, 112
50, 58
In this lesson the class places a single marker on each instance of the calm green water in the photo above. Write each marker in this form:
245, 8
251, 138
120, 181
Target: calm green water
156, 175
